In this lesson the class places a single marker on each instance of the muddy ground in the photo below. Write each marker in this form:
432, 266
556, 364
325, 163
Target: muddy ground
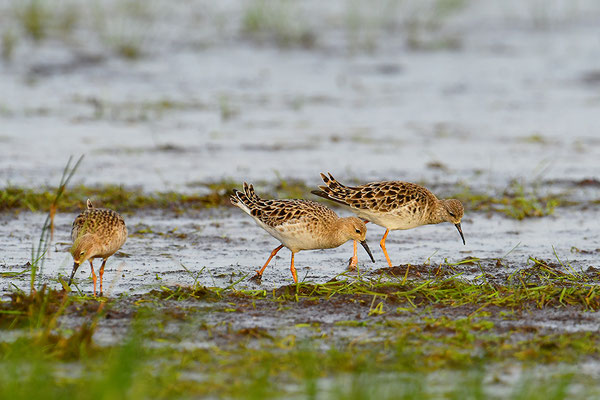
223, 247
217, 247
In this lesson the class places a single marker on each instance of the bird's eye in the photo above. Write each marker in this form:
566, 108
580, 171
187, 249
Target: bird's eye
82, 253
358, 231
451, 214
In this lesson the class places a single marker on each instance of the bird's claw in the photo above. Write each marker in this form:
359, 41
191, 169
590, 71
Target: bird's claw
352, 263
257, 278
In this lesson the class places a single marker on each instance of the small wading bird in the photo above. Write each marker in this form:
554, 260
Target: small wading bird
393, 205
96, 233
300, 225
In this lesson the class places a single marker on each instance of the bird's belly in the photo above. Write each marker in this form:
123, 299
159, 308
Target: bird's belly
297, 237
393, 221
111, 247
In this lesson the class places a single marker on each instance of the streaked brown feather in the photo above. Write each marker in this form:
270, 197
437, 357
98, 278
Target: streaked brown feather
381, 196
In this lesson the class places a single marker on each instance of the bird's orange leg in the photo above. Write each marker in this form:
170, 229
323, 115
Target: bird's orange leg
102, 273
93, 275
260, 272
382, 244
293, 269
354, 259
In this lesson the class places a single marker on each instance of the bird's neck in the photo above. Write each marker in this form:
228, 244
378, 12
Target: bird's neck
438, 213
338, 231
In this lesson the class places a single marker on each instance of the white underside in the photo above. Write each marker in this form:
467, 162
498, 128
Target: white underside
393, 221
294, 236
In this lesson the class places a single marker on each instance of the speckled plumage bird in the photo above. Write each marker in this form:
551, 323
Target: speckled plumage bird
300, 225
96, 233
393, 204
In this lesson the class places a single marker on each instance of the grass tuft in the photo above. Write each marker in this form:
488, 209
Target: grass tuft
131, 199
278, 21
9, 41
517, 201
33, 17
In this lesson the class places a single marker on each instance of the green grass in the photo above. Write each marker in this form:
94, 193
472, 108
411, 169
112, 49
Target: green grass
517, 201
415, 358
541, 285
131, 199
108, 196
9, 40
123, 28
34, 16
425, 26
277, 21
132, 112
302, 370
40, 20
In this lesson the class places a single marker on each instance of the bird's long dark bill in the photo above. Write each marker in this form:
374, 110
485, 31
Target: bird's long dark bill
364, 244
75, 266
460, 231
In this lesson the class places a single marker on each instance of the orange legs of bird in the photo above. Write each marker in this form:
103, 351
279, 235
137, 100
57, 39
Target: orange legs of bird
102, 273
354, 259
93, 275
382, 244
293, 269
259, 273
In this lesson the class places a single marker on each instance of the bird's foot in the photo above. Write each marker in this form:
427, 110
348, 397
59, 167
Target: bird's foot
257, 278
352, 263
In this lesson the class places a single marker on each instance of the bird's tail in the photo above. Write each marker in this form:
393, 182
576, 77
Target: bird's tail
333, 190
245, 200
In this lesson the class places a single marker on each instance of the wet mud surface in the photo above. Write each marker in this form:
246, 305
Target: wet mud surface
222, 248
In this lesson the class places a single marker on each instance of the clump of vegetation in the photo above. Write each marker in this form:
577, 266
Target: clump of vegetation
122, 27
34, 17
125, 29
522, 204
425, 25
364, 23
277, 21
8, 44
228, 111
131, 112
38, 314
555, 289
516, 201
180, 293
422, 23
129, 50
132, 199
35, 309
535, 138
109, 196
290, 188
41, 19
